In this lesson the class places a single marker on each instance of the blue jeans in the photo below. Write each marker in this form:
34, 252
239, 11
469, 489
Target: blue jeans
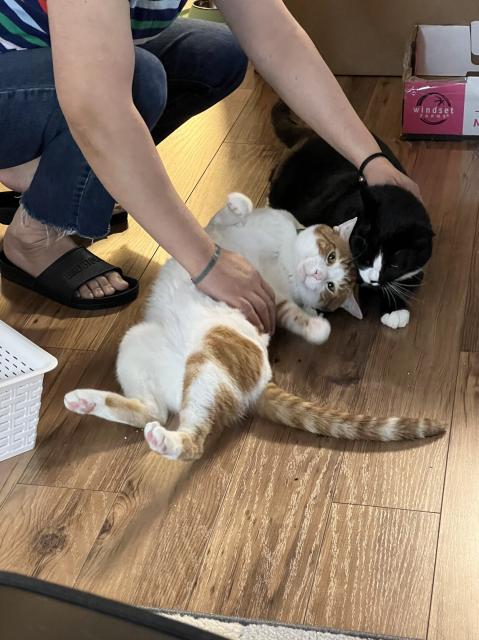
189, 67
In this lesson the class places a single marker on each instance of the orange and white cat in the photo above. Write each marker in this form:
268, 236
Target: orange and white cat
204, 361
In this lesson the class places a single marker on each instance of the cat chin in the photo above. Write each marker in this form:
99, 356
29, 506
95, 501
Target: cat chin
311, 284
305, 297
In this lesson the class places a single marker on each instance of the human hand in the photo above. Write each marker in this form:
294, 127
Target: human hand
380, 171
235, 281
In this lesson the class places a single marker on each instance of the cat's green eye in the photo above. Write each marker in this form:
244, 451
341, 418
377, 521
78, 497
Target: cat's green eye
331, 258
331, 286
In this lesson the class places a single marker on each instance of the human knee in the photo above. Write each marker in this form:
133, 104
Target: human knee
230, 62
149, 86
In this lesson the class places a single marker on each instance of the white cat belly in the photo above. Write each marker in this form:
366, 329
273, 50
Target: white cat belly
153, 354
264, 238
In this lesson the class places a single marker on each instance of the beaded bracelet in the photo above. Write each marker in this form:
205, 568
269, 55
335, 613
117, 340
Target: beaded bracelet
213, 260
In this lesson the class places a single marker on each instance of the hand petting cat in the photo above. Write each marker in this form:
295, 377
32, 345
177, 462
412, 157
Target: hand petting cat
381, 172
392, 238
235, 281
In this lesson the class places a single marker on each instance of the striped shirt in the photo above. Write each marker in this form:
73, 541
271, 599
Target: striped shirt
24, 23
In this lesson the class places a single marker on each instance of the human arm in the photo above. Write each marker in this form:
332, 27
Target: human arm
288, 60
93, 58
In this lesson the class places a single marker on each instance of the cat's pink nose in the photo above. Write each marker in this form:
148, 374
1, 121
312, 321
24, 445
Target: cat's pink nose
318, 274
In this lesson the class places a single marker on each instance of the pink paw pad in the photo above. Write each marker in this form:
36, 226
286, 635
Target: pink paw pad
157, 438
150, 438
81, 406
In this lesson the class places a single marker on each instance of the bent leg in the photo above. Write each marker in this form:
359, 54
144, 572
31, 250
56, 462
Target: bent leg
203, 62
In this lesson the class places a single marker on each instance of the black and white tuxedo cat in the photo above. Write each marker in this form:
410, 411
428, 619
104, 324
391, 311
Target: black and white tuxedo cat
392, 239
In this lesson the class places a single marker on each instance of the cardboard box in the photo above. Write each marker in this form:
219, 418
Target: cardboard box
367, 37
441, 82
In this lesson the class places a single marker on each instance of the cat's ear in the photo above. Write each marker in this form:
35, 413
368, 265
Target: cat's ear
351, 306
345, 229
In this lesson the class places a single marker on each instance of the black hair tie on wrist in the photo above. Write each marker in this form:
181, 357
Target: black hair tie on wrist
365, 163
213, 260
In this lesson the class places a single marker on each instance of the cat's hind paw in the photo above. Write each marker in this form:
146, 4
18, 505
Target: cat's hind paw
239, 204
81, 401
90, 402
318, 330
396, 319
160, 440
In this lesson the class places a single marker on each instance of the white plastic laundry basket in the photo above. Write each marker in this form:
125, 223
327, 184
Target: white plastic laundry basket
22, 366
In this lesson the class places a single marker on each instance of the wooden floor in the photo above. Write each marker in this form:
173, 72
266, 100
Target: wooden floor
273, 523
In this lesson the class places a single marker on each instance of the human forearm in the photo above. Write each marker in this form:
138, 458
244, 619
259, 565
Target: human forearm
286, 57
315, 95
117, 144
149, 195
93, 79
119, 148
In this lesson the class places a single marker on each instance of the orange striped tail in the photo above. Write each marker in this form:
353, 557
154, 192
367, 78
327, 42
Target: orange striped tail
282, 407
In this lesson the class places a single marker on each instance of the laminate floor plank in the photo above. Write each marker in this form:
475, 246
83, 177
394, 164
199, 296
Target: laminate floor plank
236, 167
84, 452
454, 611
188, 151
360, 91
261, 560
470, 335
48, 532
253, 126
375, 573
158, 530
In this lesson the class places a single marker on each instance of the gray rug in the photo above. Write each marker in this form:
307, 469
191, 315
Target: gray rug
240, 629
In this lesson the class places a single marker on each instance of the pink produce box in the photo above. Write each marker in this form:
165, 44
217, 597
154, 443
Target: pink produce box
441, 83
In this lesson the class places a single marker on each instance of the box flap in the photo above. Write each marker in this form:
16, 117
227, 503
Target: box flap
475, 42
445, 50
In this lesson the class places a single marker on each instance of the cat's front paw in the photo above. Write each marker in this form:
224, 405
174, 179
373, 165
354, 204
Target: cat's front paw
396, 319
318, 330
310, 311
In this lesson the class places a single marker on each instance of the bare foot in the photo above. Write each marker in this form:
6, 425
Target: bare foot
33, 247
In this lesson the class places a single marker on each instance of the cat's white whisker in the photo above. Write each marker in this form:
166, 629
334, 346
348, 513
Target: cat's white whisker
397, 292
403, 292
411, 285
411, 274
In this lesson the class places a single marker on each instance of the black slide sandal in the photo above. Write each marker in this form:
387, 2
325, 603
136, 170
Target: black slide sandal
10, 201
65, 276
